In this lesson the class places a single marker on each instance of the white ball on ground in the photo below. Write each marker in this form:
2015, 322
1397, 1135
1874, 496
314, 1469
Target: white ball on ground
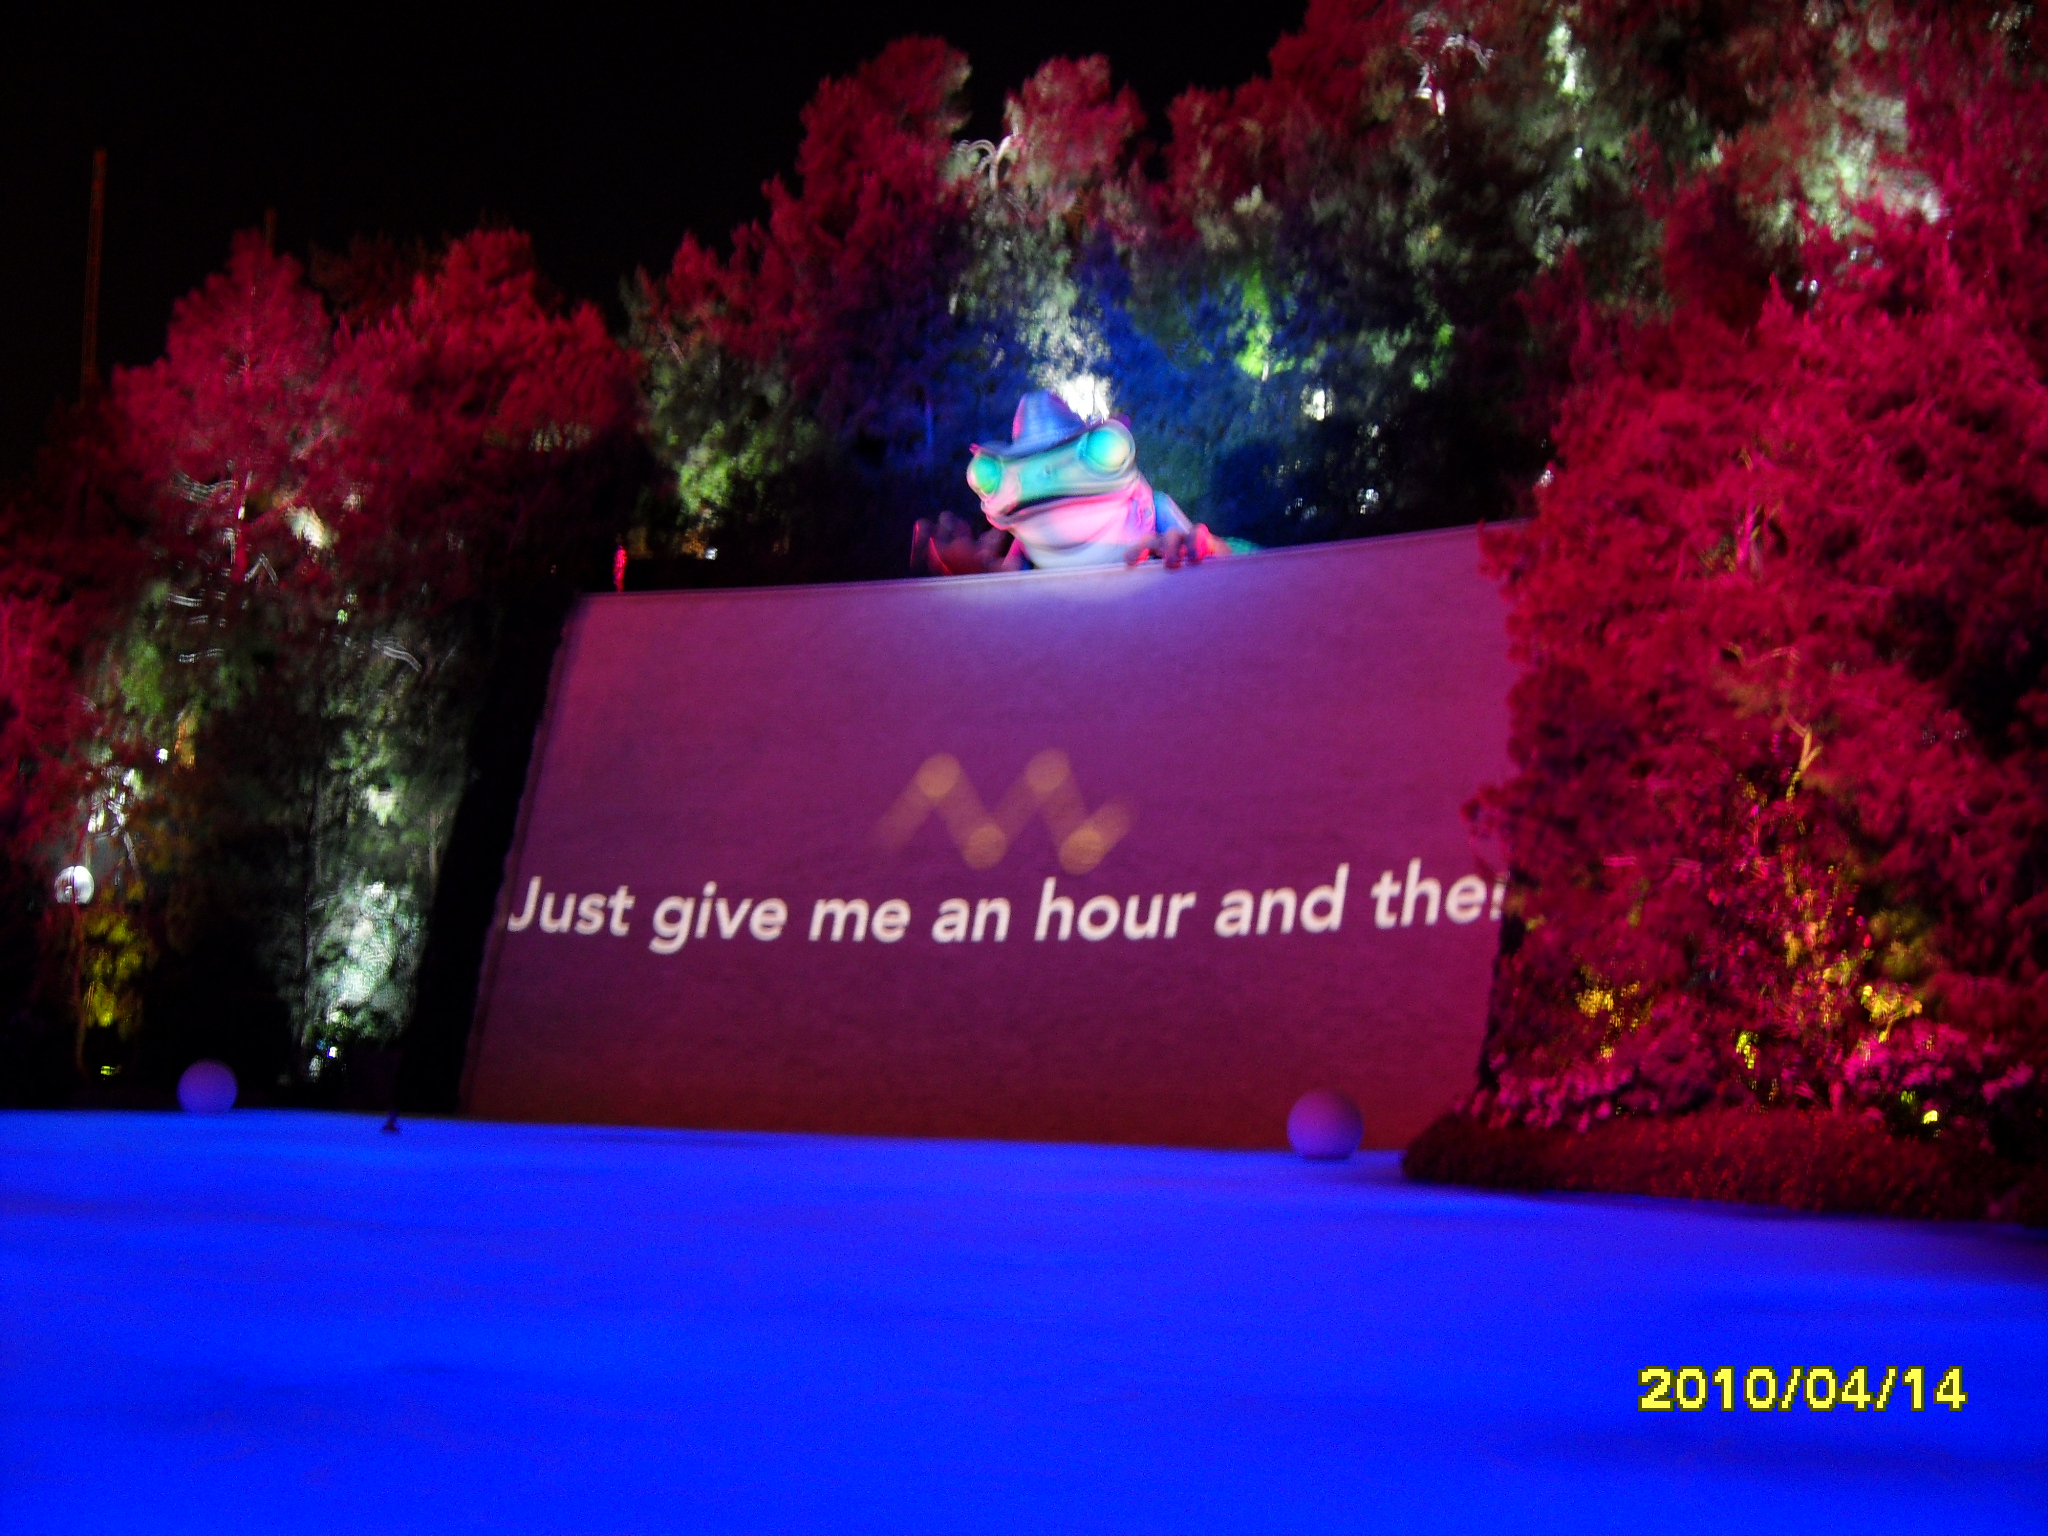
206, 1088
1325, 1126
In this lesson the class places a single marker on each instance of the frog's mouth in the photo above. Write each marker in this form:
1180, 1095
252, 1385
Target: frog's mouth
1101, 460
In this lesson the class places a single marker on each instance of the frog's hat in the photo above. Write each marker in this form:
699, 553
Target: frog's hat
1043, 421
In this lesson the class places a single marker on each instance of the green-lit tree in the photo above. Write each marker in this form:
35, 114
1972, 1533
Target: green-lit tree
342, 522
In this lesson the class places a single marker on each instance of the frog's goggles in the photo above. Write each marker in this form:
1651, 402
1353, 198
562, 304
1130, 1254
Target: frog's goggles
1100, 459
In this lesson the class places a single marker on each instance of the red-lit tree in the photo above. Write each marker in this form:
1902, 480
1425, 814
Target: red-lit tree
343, 521
825, 367
42, 721
70, 564
1780, 820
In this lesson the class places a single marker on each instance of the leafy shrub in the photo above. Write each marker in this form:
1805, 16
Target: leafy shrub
1804, 1161
1779, 819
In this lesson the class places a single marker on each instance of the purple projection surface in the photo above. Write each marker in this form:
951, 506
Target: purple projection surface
1113, 855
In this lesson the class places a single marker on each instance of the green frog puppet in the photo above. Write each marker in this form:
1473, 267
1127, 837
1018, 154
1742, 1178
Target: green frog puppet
1066, 493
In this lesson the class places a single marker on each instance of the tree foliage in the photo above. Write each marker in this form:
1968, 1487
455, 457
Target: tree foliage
822, 369
1306, 297
328, 524
1780, 819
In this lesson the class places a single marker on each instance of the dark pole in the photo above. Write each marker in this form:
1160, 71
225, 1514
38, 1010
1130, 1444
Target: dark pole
89, 351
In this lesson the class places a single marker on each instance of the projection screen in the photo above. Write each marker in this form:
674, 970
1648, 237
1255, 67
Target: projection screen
1119, 855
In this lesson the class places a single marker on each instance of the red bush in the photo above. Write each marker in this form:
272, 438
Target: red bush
1806, 1162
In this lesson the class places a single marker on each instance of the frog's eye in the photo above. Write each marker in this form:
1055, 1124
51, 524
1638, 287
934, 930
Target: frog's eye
1108, 449
984, 474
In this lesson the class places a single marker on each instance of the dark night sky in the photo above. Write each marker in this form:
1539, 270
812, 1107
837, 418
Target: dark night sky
604, 135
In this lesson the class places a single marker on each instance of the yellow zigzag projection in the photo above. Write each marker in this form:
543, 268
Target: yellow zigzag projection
1046, 788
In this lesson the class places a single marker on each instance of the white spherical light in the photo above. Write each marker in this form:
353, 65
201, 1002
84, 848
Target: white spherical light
74, 886
1325, 1126
206, 1088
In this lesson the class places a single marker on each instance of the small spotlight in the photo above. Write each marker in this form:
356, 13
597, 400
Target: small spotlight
1087, 396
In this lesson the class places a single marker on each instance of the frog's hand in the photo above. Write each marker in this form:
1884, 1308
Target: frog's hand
1177, 539
1167, 515
948, 548
1201, 543
1172, 547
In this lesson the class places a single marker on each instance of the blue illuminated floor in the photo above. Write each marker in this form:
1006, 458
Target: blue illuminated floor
281, 1322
